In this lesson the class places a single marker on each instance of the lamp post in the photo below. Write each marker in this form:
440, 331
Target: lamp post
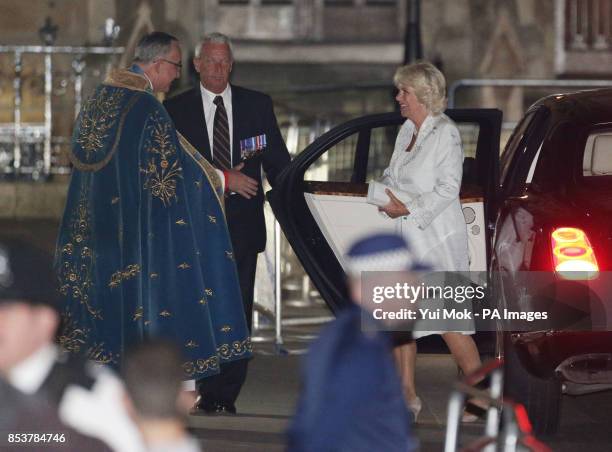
413, 49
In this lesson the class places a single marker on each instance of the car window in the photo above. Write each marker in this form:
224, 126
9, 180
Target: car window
520, 158
469, 132
597, 157
515, 142
382, 142
335, 165
338, 163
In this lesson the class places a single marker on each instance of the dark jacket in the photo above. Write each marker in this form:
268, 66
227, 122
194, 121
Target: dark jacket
253, 115
351, 397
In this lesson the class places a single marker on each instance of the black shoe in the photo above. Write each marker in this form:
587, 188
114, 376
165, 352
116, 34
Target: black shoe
213, 407
225, 409
473, 412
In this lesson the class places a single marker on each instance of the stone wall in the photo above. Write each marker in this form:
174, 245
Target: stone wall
27, 200
469, 38
290, 48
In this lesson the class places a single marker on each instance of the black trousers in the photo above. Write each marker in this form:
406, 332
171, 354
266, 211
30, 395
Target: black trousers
225, 386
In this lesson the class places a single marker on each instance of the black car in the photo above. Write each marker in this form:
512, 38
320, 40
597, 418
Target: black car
541, 190
553, 215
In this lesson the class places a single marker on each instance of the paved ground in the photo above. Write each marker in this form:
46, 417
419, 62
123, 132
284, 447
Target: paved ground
269, 397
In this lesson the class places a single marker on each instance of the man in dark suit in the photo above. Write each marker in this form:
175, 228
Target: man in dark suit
236, 130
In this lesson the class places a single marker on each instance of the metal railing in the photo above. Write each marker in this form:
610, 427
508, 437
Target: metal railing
531, 83
19, 132
507, 426
588, 24
280, 322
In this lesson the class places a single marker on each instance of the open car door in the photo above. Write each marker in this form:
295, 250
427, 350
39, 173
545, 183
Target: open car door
319, 200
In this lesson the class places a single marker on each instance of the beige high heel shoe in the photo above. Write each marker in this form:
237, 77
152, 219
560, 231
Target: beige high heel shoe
415, 405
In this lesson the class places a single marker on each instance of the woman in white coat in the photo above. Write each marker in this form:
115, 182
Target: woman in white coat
425, 175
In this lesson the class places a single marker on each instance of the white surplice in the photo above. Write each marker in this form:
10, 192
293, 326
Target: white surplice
427, 180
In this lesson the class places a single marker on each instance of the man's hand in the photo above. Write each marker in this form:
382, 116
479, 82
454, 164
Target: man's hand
395, 208
241, 183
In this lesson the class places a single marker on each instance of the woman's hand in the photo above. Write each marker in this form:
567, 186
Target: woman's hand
395, 208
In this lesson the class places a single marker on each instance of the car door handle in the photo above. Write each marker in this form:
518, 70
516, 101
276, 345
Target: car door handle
517, 198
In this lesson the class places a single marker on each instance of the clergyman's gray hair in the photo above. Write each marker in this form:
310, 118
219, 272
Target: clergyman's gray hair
214, 38
153, 45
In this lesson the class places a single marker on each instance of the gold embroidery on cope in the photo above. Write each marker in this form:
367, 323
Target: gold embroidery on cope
209, 171
138, 314
153, 275
200, 366
122, 275
115, 280
98, 116
73, 338
165, 313
237, 348
85, 166
160, 174
226, 328
75, 275
225, 352
184, 266
115, 200
212, 219
208, 292
191, 344
229, 255
97, 353
123, 78
181, 222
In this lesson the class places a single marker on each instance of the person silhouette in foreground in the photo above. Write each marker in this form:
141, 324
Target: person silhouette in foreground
43, 388
352, 399
153, 378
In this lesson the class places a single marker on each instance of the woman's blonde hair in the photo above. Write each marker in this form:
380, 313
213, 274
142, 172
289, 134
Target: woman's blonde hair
428, 83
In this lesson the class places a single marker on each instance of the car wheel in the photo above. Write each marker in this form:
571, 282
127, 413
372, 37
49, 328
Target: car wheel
541, 398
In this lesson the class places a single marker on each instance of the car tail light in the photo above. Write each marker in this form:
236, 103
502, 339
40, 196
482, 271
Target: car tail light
573, 256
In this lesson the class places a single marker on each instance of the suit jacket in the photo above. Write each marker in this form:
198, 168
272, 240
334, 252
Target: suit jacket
253, 115
22, 412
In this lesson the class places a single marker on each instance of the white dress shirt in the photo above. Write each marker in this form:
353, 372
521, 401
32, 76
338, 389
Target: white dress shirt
29, 374
144, 74
209, 114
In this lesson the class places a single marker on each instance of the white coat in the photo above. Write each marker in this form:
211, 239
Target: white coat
427, 180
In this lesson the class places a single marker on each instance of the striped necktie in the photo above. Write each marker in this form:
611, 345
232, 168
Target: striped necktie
222, 157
